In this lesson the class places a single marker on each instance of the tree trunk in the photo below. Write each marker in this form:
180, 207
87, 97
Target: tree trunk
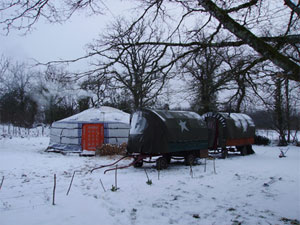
279, 112
288, 107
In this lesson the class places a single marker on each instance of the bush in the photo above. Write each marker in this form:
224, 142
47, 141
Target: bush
261, 140
18, 108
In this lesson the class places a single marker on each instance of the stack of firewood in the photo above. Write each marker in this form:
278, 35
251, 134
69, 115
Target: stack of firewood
110, 149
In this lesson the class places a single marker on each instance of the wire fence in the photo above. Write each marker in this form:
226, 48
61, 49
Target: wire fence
9, 130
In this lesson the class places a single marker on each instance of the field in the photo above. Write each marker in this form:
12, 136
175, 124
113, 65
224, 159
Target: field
256, 189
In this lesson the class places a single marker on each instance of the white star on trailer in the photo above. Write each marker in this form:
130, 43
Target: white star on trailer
182, 124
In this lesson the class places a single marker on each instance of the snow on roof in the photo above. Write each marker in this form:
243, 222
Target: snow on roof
240, 120
166, 114
101, 114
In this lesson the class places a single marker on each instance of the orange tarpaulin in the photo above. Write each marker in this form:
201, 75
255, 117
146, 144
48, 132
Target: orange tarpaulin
240, 142
92, 136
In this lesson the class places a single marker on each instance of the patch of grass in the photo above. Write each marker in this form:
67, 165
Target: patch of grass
149, 182
236, 222
114, 189
291, 221
231, 209
196, 216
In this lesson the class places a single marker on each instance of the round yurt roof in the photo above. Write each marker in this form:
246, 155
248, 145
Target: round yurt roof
100, 114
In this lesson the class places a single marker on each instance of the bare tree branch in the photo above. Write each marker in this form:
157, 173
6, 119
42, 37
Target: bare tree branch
24, 14
242, 6
294, 8
290, 67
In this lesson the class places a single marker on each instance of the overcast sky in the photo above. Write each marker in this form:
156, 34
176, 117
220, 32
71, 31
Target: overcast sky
50, 42
60, 41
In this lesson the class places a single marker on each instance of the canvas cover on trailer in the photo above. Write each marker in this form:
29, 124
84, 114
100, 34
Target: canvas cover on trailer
229, 129
163, 131
89, 129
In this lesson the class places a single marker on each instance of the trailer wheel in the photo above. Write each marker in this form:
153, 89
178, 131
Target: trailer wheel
168, 158
138, 164
189, 159
244, 151
249, 149
224, 153
161, 163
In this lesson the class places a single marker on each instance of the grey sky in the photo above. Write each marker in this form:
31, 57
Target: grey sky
50, 42
60, 41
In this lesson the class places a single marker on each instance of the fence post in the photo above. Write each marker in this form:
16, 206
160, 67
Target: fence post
102, 185
116, 180
1, 182
215, 166
71, 182
191, 170
54, 187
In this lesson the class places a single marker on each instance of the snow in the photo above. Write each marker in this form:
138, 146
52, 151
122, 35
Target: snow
241, 120
138, 123
103, 113
255, 189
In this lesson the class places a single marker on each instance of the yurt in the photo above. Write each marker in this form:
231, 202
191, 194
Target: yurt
86, 131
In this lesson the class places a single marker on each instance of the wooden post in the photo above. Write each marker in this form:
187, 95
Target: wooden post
205, 164
54, 187
1, 182
158, 171
191, 170
215, 166
146, 174
102, 185
71, 183
149, 182
116, 174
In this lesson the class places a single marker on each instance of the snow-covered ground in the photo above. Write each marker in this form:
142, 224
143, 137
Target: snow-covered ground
256, 189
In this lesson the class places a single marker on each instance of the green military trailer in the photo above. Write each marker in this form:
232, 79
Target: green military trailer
167, 134
230, 132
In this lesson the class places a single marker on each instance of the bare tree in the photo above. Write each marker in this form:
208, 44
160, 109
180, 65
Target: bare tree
56, 93
206, 75
280, 120
24, 14
99, 86
249, 38
4, 66
281, 99
244, 83
137, 68
16, 103
239, 23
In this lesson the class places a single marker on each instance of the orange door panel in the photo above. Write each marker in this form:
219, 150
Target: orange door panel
92, 136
